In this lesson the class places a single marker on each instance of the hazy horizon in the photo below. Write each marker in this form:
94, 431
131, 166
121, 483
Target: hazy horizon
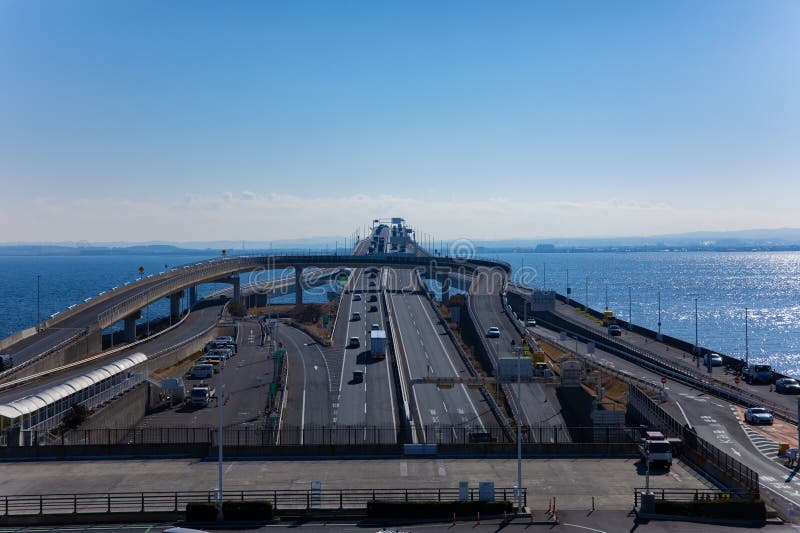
148, 120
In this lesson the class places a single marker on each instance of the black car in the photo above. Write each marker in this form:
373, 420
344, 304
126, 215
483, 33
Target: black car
787, 386
373, 308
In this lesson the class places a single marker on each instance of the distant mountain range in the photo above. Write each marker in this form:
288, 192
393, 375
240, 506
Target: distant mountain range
743, 240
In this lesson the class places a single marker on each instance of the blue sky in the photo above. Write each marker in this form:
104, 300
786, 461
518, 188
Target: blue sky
188, 120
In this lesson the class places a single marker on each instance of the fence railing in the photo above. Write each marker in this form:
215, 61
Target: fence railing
694, 446
282, 500
693, 494
321, 435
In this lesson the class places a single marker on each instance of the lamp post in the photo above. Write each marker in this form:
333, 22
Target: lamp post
696, 337
630, 309
606, 296
519, 429
746, 341
568, 289
38, 313
659, 337
586, 301
220, 515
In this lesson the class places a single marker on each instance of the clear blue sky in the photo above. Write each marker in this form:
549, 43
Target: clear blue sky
189, 120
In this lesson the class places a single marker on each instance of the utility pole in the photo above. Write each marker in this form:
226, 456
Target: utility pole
586, 301
746, 341
606, 296
519, 429
568, 291
630, 309
659, 315
38, 312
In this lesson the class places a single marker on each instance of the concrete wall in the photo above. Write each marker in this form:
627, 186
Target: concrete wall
124, 411
16, 337
87, 345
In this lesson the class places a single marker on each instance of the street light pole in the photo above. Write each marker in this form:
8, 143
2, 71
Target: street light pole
38, 313
746, 341
220, 515
606, 296
586, 301
630, 309
659, 315
696, 338
519, 430
568, 287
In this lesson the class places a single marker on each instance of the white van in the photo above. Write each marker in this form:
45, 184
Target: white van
202, 371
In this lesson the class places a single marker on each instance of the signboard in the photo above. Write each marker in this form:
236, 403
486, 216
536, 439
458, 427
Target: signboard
486, 491
663, 381
315, 499
463, 491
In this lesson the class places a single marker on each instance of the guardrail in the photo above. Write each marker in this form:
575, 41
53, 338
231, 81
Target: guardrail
693, 494
282, 500
490, 400
668, 367
400, 357
312, 435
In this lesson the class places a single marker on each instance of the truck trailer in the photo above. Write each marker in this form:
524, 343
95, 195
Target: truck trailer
377, 344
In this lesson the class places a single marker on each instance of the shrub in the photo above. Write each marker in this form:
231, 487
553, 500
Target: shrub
233, 511
735, 509
429, 509
75, 416
236, 308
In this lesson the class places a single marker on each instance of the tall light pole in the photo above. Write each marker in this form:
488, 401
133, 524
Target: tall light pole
746, 341
659, 315
586, 301
606, 296
696, 337
630, 309
38, 313
568, 291
519, 429
220, 515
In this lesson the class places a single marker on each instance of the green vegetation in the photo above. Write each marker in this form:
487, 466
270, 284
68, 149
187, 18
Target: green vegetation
75, 416
430, 509
234, 511
236, 308
727, 509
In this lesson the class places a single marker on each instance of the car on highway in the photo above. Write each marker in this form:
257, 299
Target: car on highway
757, 415
356, 316
614, 330
355, 342
371, 283
531, 323
225, 353
715, 358
356, 297
376, 327
493, 332
373, 308
373, 298
358, 376
202, 371
787, 386
216, 361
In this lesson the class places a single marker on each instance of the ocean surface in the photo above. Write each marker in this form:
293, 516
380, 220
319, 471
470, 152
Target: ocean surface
723, 283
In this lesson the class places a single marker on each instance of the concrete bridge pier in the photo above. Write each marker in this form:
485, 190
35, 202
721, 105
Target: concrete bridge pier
192, 296
444, 279
237, 288
298, 286
130, 326
175, 305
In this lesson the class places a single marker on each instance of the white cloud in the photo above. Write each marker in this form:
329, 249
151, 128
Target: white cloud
253, 216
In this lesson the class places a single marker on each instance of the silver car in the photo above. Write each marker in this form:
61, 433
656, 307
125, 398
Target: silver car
758, 415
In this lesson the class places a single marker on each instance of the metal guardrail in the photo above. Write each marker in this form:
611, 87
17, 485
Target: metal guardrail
693, 494
312, 435
666, 367
282, 500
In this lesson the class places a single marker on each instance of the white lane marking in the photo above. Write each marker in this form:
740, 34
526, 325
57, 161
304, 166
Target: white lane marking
403, 469
585, 527
684, 414
449, 360
442, 471
737, 452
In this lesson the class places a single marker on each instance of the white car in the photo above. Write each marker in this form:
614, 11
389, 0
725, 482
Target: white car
531, 323
716, 359
758, 415
356, 297
493, 332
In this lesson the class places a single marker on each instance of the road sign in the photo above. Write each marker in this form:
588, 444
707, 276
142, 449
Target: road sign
663, 381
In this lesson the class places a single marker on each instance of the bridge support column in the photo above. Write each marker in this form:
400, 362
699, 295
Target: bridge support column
130, 326
175, 305
237, 289
444, 279
298, 286
192, 296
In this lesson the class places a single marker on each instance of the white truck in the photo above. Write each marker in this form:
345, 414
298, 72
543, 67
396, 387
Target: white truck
200, 395
377, 344
6, 361
656, 449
